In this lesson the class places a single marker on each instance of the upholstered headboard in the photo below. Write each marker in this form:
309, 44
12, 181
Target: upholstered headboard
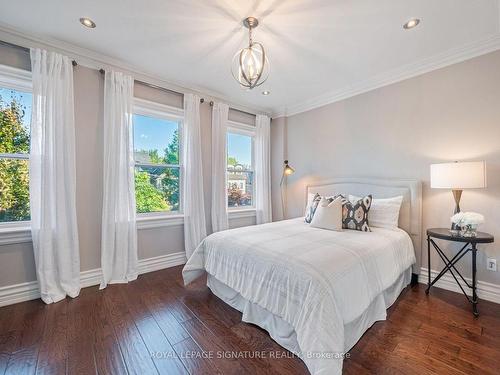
410, 215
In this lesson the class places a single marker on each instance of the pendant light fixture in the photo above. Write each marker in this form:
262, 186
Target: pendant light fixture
250, 66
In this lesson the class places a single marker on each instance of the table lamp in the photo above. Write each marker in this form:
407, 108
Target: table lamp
458, 176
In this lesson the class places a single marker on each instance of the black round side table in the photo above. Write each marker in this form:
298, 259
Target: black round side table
444, 234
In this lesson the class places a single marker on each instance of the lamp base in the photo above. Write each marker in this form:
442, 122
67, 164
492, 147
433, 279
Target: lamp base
457, 194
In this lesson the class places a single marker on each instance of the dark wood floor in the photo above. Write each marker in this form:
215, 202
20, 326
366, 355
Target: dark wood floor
117, 330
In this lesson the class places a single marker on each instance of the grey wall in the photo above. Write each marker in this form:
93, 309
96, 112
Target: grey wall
278, 152
16, 260
89, 97
15, 57
398, 131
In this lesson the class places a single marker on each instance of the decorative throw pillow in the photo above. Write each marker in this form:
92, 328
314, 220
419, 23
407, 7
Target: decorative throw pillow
311, 207
355, 214
310, 199
328, 214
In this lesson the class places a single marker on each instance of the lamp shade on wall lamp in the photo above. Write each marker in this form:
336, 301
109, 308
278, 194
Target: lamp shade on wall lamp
287, 170
458, 175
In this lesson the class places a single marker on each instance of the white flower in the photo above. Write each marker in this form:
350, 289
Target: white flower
457, 218
467, 218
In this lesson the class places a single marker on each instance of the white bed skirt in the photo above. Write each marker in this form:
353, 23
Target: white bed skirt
284, 334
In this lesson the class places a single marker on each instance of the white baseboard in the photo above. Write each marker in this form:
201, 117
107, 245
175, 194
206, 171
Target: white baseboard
161, 262
486, 291
19, 293
27, 291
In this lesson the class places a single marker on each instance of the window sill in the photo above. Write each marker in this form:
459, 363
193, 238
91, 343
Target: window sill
159, 221
241, 213
13, 234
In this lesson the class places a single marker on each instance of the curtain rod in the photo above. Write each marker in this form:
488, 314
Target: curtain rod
202, 100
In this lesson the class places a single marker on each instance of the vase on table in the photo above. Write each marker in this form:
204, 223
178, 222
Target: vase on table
468, 230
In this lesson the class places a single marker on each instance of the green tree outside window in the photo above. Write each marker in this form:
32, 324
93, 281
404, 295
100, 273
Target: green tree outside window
14, 178
157, 188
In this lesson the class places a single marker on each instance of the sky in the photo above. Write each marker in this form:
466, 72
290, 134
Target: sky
240, 147
24, 98
155, 134
152, 133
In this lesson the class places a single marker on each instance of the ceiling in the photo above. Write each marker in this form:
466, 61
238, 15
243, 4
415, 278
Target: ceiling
317, 48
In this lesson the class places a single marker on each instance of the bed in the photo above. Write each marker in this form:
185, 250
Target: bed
315, 291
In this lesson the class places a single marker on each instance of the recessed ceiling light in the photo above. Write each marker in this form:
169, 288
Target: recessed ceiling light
266, 92
87, 22
411, 23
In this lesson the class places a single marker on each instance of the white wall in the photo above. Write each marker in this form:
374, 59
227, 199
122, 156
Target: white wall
398, 131
16, 260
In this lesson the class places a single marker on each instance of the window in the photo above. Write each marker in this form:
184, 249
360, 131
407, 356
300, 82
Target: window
15, 118
240, 172
157, 160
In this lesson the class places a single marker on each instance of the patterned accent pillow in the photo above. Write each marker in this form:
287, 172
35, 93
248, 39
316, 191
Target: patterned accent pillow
311, 209
355, 214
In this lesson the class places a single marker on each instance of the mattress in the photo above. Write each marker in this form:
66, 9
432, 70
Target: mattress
317, 281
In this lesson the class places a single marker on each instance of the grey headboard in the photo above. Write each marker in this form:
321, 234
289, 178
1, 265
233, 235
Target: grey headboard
410, 216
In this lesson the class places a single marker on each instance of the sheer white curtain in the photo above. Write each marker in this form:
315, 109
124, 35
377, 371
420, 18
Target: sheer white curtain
263, 169
52, 177
192, 188
220, 113
119, 235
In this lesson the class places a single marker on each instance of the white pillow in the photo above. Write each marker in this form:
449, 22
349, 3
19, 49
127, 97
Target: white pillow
384, 213
328, 215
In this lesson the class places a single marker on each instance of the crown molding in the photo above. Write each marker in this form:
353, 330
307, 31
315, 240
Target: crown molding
438, 61
95, 60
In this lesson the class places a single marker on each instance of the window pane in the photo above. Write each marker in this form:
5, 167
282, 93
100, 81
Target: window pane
156, 189
156, 141
240, 188
14, 190
15, 118
239, 170
239, 150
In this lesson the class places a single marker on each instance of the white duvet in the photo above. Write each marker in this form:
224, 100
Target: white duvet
316, 280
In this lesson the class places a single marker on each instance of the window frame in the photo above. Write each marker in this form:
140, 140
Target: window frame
20, 80
248, 130
148, 108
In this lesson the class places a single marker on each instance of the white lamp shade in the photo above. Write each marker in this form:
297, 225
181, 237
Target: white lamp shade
459, 175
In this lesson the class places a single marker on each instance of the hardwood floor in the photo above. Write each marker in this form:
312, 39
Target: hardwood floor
155, 325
